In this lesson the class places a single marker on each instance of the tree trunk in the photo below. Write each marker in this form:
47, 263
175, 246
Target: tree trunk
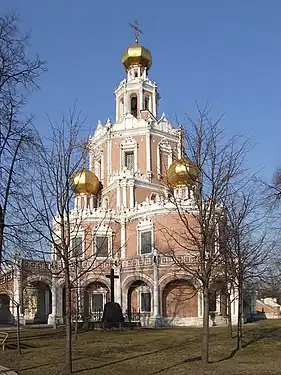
240, 316
68, 330
1, 235
205, 334
18, 329
76, 316
229, 316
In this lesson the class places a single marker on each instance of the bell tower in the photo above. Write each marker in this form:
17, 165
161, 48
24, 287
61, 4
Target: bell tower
136, 94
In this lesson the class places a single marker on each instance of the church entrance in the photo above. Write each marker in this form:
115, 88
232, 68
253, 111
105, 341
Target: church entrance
218, 298
139, 299
180, 299
37, 300
96, 295
6, 316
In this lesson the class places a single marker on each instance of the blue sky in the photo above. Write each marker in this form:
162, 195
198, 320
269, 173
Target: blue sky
224, 51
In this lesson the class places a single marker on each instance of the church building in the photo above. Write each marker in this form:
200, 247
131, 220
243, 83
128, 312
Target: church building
126, 214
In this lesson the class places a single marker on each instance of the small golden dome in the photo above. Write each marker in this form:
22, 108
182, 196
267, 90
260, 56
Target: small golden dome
136, 55
182, 172
85, 182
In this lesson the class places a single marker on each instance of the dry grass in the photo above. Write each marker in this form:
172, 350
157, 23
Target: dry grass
169, 351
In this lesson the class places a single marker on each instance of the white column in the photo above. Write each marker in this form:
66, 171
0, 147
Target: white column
154, 109
110, 156
91, 203
109, 162
117, 287
234, 304
124, 193
54, 300
200, 304
117, 101
125, 106
55, 304
123, 238
118, 195
57, 299
17, 292
132, 197
180, 192
148, 152
155, 286
141, 100
218, 301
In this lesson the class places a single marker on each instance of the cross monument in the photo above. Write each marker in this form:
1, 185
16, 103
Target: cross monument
112, 277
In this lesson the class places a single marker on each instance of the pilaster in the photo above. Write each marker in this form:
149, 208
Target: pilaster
123, 238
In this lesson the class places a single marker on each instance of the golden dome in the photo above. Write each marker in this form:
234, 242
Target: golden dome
85, 182
182, 172
136, 55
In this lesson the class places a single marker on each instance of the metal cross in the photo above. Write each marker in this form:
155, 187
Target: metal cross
112, 277
136, 30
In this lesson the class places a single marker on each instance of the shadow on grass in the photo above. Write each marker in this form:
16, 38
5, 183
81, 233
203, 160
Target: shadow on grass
261, 334
38, 366
188, 360
135, 357
22, 345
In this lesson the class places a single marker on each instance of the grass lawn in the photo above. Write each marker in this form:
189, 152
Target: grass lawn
147, 352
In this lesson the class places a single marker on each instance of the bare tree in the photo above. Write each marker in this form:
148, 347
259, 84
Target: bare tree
18, 76
56, 222
211, 165
248, 244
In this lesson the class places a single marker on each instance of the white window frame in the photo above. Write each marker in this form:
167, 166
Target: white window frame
149, 101
102, 231
128, 145
99, 159
165, 147
145, 225
100, 290
145, 289
79, 233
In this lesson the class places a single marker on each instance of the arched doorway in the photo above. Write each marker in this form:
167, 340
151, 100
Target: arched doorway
180, 299
37, 299
96, 295
139, 298
218, 298
5, 314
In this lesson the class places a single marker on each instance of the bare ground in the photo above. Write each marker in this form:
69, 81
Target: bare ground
147, 352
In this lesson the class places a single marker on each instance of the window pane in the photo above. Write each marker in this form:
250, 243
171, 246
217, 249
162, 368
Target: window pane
76, 245
129, 160
145, 242
97, 301
102, 246
146, 302
146, 102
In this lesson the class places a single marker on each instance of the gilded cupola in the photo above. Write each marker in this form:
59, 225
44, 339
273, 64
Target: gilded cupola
85, 182
182, 172
136, 54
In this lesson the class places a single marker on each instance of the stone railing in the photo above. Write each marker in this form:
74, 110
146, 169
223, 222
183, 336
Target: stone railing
35, 264
6, 277
162, 260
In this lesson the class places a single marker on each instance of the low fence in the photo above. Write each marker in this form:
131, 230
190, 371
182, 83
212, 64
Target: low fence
96, 316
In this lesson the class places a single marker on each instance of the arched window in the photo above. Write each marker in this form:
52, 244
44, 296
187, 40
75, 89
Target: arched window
121, 107
146, 102
134, 105
153, 197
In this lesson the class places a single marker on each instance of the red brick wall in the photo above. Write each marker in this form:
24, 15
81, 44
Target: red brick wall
180, 300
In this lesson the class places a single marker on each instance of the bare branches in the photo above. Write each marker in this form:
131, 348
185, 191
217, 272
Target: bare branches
199, 205
18, 73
